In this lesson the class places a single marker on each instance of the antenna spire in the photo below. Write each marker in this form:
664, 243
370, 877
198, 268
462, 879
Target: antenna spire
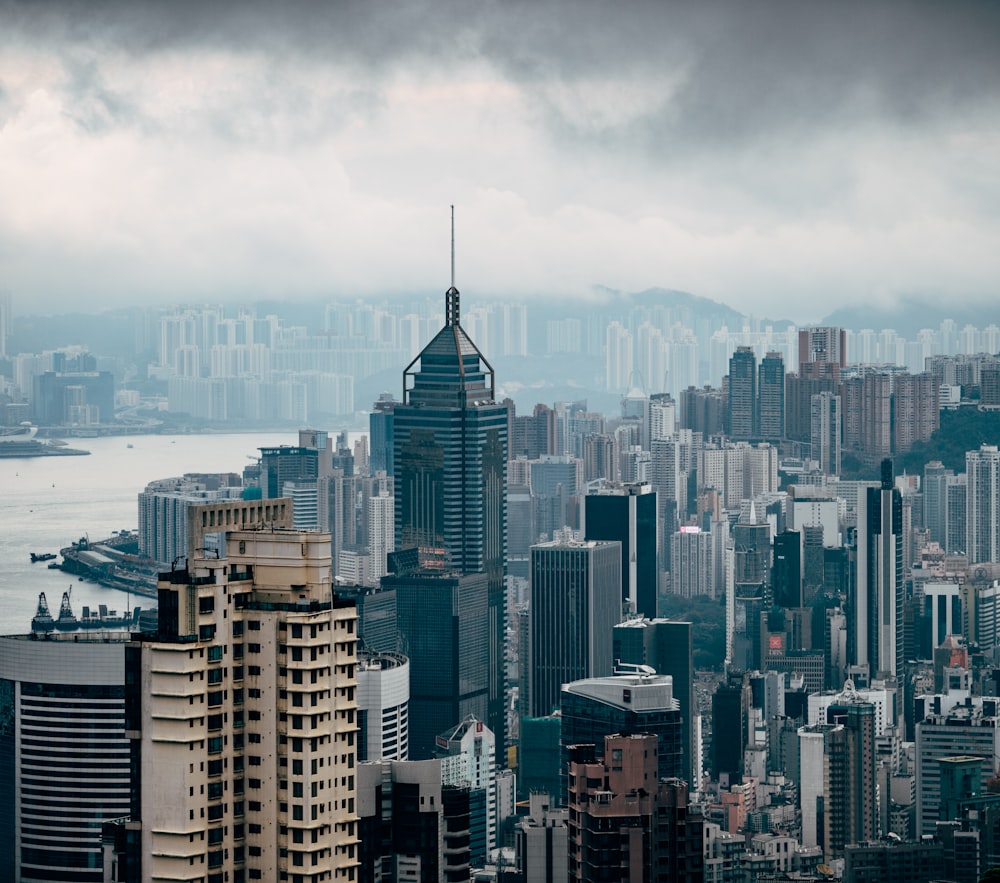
451, 298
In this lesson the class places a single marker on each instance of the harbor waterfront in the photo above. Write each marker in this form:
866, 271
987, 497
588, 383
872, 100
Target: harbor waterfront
46, 503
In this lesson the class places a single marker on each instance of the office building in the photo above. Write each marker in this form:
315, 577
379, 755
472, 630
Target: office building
575, 604
450, 436
970, 729
667, 647
64, 755
380, 430
982, 470
444, 629
383, 706
771, 398
634, 701
627, 513
742, 401
878, 591
241, 713
299, 464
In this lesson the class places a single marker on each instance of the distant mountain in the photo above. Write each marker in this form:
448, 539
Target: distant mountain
910, 314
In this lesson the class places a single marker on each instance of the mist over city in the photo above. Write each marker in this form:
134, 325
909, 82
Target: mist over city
503, 442
783, 158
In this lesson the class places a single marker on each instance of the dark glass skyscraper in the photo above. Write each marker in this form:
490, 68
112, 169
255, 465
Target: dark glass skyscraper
450, 455
627, 513
743, 394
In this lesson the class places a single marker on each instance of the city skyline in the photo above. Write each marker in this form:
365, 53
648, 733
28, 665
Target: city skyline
786, 159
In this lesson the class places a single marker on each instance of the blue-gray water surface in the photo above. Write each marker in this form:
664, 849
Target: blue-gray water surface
48, 502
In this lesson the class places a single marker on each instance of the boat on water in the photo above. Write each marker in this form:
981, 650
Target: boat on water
102, 618
42, 556
23, 432
20, 441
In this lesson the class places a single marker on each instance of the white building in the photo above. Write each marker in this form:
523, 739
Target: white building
384, 706
63, 750
468, 757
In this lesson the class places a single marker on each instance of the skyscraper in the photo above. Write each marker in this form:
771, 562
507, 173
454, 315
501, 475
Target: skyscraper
982, 469
241, 715
443, 625
450, 455
667, 646
825, 429
743, 394
63, 753
627, 513
575, 603
878, 600
771, 397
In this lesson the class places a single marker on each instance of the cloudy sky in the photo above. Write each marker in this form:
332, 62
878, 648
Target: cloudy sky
782, 157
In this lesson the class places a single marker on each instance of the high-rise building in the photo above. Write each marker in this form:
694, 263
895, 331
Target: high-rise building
411, 827
771, 397
450, 471
742, 407
301, 464
575, 603
621, 816
443, 622
634, 701
6, 320
982, 470
241, 714
915, 410
627, 513
383, 706
692, 563
825, 432
878, 589
849, 781
164, 506
823, 344
380, 430
971, 729
667, 647
541, 841
467, 752
933, 487
63, 753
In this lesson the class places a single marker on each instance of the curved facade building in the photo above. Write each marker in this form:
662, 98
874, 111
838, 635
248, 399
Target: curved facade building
64, 758
384, 706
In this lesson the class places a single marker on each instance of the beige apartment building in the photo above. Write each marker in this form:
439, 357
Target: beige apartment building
242, 719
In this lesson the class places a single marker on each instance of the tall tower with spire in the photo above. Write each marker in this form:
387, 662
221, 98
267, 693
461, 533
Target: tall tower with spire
450, 455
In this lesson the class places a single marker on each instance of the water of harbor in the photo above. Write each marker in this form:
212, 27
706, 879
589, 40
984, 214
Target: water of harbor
48, 502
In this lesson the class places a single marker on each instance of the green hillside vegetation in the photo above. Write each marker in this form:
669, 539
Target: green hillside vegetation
961, 430
708, 627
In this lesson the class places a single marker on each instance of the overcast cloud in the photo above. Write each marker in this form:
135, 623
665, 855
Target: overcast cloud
783, 157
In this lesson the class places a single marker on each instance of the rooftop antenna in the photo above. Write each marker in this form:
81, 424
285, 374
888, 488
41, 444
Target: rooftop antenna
451, 304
